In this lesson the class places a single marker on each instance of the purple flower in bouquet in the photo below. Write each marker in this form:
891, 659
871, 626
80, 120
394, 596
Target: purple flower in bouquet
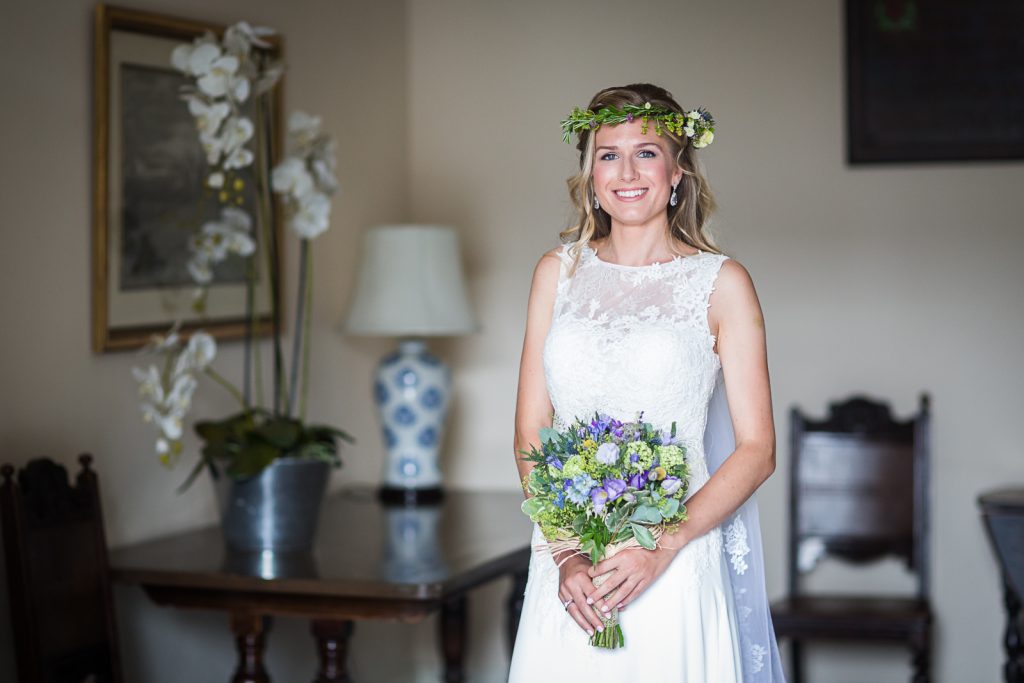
600, 498
602, 423
670, 485
638, 480
615, 488
607, 454
667, 439
554, 460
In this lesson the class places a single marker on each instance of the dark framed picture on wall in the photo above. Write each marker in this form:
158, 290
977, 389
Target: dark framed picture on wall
152, 194
941, 80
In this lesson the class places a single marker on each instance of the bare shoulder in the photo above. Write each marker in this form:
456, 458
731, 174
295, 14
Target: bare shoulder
733, 277
545, 274
734, 293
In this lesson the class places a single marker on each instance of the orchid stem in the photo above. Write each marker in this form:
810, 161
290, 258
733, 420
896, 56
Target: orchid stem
231, 388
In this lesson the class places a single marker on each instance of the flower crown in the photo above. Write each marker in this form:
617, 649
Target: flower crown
697, 124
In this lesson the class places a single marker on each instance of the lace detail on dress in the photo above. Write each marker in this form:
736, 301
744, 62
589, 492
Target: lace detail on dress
736, 545
626, 339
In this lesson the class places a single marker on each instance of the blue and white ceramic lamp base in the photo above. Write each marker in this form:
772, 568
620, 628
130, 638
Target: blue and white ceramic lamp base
412, 391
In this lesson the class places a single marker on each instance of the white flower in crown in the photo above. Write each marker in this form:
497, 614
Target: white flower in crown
312, 215
705, 139
689, 130
694, 114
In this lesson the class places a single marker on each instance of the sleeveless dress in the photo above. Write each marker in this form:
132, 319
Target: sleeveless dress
625, 339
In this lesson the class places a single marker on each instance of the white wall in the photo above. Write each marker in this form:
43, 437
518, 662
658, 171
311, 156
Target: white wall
887, 280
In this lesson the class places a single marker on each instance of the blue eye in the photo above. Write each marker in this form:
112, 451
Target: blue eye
607, 156
648, 152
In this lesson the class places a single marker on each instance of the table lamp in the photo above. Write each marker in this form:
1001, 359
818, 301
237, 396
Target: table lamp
411, 286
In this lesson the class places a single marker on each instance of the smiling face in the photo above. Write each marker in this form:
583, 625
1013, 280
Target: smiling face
633, 174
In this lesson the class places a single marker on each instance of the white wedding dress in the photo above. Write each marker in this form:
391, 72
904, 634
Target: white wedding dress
625, 339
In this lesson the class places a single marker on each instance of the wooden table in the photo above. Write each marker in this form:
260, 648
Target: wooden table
1003, 514
370, 561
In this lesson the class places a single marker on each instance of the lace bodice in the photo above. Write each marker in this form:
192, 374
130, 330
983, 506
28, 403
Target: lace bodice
625, 339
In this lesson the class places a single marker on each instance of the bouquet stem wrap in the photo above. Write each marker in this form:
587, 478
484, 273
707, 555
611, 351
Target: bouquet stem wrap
611, 638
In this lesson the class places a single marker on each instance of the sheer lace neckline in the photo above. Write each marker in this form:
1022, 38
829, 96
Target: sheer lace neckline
658, 264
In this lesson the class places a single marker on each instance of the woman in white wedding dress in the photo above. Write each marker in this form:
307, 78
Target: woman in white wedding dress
638, 311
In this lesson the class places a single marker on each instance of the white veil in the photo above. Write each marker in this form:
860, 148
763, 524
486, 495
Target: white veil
743, 554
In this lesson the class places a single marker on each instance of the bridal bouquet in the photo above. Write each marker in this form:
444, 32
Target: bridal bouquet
601, 487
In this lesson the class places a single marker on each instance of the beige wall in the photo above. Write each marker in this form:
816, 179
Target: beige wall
886, 280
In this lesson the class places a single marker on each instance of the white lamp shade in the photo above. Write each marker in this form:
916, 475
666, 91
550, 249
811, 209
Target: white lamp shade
410, 284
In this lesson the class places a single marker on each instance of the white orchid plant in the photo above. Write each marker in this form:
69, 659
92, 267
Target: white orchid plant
222, 74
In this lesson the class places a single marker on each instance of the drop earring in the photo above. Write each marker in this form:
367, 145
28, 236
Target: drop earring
674, 199
597, 204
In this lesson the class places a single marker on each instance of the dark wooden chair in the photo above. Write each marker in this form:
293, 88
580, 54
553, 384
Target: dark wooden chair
858, 492
62, 610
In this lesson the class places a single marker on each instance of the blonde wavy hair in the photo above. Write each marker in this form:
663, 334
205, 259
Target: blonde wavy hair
687, 221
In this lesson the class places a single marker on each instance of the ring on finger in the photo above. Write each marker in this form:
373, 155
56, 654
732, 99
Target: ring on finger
565, 605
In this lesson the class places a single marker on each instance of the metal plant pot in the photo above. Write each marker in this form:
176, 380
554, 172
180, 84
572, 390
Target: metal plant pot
277, 509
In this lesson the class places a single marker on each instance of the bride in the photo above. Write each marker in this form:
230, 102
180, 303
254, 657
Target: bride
639, 311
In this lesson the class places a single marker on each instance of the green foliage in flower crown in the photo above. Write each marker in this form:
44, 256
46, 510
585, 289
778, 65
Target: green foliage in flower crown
697, 124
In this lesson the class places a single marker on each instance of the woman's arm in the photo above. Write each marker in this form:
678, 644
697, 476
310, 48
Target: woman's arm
736, 315
533, 405
533, 411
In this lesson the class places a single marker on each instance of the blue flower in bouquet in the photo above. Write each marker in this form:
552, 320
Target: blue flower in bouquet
607, 454
670, 485
579, 487
555, 462
560, 500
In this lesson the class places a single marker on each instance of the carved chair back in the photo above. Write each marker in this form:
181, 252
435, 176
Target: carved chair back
61, 601
859, 488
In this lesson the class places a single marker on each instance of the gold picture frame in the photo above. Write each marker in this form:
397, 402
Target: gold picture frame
149, 195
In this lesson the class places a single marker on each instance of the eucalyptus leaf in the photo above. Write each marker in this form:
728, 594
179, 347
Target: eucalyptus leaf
643, 536
646, 514
548, 434
532, 506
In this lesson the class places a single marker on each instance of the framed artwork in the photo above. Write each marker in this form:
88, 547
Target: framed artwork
150, 194
941, 80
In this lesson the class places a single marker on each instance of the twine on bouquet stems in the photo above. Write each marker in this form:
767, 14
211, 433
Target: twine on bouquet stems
611, 637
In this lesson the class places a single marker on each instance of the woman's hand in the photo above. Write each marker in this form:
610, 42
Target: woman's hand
574, 582
633, 571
